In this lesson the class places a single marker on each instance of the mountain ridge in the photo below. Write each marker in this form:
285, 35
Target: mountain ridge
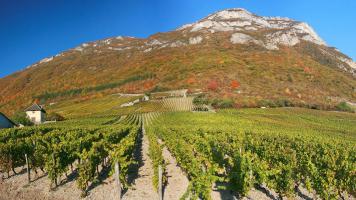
283, 38
229, 45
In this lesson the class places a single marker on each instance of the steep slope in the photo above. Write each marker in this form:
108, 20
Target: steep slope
269, 58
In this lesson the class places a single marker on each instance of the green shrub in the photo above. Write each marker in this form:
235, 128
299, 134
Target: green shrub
267, 103
274, 104
158, 88
314, 106
223, 103
345, 107
284, 103
201, 109
200, 100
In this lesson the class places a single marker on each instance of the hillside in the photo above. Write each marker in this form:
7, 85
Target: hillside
230, 54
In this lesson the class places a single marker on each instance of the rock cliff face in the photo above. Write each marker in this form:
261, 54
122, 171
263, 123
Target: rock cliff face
282, 30
275, 31
266, 55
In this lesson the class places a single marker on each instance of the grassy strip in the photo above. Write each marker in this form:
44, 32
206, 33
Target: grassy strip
73, 92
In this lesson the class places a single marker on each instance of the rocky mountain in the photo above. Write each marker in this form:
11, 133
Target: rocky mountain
265, 57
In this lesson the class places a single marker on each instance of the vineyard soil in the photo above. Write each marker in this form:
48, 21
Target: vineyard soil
177, 180
17, 188
142, 187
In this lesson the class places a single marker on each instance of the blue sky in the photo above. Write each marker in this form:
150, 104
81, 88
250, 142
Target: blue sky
34, 29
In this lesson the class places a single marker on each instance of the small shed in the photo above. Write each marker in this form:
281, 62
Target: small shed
5, 122
145, 98
36, 114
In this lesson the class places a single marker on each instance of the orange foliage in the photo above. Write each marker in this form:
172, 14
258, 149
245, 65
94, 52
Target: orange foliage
307, 70
234, 84
213, 85
148, 85
191, 80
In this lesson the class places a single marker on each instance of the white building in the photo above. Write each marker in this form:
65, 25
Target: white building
179, 93
5, 122
130, 103
145, 98
36, 114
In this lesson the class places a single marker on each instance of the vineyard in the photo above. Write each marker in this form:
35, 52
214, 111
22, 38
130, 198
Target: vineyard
59, 149
178, 104
281, 153
282, 150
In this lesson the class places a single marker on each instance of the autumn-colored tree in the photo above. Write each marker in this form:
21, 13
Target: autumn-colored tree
130, 88
213, 85
36, 101
234, 84
191, 80
148, 85
307, 70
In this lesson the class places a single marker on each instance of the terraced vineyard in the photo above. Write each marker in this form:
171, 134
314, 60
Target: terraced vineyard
178, 104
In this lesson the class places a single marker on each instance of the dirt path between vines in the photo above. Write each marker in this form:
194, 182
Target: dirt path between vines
16, 187
263, 193
142, 187
177, 181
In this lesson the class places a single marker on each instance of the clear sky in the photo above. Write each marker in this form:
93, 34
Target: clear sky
34, 29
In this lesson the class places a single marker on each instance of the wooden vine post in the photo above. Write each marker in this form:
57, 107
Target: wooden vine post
160, 188
28, 169
54, 161
117, 176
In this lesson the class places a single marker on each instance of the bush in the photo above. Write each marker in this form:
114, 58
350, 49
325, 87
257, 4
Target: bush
274, 104
267, 103
201, 109
158, 88
21, 118
314, 106
345, 107
284, 103
223, 103
200, 100
55, 117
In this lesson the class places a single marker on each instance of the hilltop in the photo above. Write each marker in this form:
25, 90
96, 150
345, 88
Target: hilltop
231, 54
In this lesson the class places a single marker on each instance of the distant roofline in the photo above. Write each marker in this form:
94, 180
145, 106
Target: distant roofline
35, 107
8, 119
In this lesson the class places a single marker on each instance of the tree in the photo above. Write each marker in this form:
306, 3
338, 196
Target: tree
234, 84
21, 118
36, 101
307, 70
213, 85
345, 107
191, 80
147, 85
